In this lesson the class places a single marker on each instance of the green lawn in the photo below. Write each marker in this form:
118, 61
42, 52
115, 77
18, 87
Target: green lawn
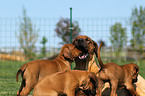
9, 86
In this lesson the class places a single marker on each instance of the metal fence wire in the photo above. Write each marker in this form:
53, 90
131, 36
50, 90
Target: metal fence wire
97, 28
12, 55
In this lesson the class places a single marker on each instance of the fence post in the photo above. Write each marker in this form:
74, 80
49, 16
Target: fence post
70, 25
71, 28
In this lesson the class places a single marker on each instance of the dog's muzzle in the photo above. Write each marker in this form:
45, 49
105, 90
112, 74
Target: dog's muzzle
81, 44
81, 41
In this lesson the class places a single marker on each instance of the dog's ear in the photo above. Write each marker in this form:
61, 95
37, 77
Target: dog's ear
91, 83
84, 84
95, 48
67, 52
93, 79
74, 41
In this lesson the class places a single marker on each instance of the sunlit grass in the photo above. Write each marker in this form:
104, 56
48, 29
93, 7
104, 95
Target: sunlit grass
8, 70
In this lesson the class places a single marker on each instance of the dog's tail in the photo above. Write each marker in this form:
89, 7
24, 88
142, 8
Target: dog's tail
99, 57
22, 69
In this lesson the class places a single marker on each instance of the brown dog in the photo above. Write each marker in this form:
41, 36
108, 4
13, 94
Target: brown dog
66, 82
90, 48
117, 76
33, 71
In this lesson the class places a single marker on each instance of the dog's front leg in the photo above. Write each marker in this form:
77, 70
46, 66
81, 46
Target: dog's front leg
100, 87
113, 85
130, 87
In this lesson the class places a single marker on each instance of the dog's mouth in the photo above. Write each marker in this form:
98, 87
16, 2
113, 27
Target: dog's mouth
83, 56
84, 50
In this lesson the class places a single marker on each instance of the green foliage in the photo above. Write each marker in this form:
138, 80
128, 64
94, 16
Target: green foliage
138, 29
118, 37
27, 36
43, 49
63, 30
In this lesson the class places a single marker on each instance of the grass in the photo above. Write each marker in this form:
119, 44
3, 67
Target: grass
8, 84
8, 70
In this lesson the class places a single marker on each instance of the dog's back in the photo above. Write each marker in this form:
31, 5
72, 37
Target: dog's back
59, 82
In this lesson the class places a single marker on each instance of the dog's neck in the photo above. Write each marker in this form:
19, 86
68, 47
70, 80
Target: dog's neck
86, 63
62, 59
81, 64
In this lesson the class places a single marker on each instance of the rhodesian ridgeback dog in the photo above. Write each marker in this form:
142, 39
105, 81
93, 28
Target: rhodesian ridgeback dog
66, 82
90, 48
118, 76
34, 71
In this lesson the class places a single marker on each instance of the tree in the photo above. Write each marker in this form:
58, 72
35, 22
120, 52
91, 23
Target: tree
138, 29
43, 42
118, 37
27, 36
63, 30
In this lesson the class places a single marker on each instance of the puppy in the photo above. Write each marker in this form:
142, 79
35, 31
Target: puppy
117, 76
34, 71
66, 82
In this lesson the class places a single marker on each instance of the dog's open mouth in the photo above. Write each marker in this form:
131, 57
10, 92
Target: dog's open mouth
83, 56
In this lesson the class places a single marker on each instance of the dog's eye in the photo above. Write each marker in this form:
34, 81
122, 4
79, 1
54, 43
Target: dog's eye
82, 84
103, 70
87, 39
77, 39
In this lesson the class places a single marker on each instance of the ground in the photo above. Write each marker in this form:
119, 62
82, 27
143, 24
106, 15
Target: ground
8, 70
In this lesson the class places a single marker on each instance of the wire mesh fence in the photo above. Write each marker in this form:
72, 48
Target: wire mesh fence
97, 28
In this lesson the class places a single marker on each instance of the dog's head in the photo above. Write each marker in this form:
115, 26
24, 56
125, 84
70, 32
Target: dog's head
86, 45
70, 52
90, 84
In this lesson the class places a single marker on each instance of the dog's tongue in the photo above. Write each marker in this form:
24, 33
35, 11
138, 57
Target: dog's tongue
82, 57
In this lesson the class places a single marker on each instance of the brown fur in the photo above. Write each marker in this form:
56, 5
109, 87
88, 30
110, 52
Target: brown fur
66, 82
90, 47
117, 76
34, 71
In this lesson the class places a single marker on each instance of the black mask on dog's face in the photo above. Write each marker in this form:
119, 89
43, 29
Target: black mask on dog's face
86, 45
81, 44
